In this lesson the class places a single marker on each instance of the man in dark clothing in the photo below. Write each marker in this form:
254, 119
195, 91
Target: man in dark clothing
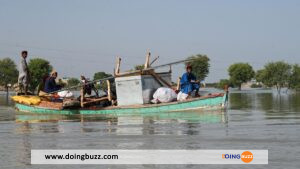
50, 84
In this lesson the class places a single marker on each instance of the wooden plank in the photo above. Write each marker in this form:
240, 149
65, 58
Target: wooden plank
89, 100
178, 84
108, 90
118, 63
160, 79
147, 63
82, 96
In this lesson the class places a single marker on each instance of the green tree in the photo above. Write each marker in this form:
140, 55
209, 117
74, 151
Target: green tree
38, 69
259, 75
224, 82
101, 75
73, 82
8, 73
276, 74
294, 81
200, 64
240, 73
139, 67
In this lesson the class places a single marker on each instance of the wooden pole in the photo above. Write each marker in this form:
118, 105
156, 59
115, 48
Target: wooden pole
147, 63
178, 84
154, 60
108, 90
118, 63
160, 79
82, 96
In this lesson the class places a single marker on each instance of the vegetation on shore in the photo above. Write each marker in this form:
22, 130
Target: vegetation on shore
240, 73
274, 74
8, 73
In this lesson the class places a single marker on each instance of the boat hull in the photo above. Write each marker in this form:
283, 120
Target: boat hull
209, 103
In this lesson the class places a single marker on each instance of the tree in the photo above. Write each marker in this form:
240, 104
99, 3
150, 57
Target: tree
224, 82
101, 75
240, 73
276, 74
294, 81
139, 67
73, 82
38, 69
259, 75
8, 73
200, 64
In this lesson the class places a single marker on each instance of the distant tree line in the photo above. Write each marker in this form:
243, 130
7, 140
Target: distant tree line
274, 74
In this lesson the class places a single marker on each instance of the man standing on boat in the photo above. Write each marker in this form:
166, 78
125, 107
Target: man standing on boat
188, 82
23, 79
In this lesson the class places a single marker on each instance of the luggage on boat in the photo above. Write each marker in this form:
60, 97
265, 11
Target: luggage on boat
65, 94
164, 95
182, 96
29, 100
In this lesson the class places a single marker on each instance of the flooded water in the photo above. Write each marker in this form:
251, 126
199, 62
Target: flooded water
256, 119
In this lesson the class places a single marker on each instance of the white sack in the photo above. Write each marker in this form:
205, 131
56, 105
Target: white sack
164, 95
182, 96
65, 94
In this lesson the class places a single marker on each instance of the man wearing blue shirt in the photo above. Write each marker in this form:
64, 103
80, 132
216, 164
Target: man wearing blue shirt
188, 82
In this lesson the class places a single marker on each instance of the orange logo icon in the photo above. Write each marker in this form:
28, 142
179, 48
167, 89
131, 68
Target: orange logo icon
247, 156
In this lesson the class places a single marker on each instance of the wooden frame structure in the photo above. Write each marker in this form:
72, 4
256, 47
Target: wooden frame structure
89, 100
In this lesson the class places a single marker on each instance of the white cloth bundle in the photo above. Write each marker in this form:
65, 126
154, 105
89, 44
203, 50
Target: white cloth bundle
164, 95
65, 94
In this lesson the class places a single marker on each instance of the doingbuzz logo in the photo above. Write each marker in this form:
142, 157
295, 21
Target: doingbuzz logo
246, 156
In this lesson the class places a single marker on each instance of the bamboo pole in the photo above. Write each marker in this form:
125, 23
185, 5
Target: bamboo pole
154, 60
160, 79
82, 96
118, 64
108, 90
178, 84
147, 63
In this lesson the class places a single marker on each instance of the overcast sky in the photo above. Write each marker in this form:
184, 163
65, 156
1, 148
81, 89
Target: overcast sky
84, 36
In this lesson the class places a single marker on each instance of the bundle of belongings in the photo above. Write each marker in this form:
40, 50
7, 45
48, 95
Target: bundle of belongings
164, 95
29, 100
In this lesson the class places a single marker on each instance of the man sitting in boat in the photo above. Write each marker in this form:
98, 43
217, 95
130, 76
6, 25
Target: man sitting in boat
50, 84
188, 82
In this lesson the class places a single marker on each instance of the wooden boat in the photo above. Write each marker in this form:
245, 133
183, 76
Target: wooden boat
133, 95
209, 102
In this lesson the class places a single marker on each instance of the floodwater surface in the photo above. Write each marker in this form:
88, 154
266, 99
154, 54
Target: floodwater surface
255, 119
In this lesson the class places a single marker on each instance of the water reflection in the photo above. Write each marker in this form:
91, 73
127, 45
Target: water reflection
5, 99
135, 124
23, 148
244, 101
278, 106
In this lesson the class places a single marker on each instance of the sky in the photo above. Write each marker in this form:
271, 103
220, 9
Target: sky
81, 37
